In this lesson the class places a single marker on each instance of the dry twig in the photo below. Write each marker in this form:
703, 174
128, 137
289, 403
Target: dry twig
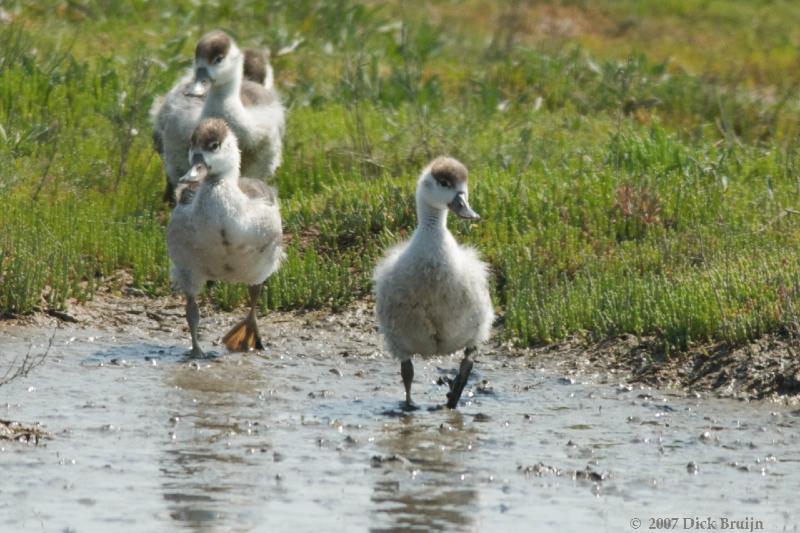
29, 361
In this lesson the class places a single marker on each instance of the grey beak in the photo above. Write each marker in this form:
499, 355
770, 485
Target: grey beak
202, 81
461, 208
197, 173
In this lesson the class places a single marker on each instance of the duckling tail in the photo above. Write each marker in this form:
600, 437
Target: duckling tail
243, 337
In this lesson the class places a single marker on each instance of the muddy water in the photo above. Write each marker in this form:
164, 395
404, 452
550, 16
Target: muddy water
308, 435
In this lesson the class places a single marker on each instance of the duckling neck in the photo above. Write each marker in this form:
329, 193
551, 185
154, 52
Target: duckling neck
224, 101
431, 221
228, 91
219, 184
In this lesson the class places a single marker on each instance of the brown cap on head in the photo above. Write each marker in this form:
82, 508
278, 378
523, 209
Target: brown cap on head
255, 66
209, 132
448, 171
214, 44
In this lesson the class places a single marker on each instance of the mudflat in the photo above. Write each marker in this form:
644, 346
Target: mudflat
309, 433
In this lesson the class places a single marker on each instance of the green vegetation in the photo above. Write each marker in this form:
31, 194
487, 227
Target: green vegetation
636, 162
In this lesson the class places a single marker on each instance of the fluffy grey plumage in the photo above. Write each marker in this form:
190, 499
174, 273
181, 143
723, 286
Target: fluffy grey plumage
176, 114
432, 294
253, 112
228, 228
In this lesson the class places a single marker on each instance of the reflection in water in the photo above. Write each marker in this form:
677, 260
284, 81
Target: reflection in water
208, 478
437, 493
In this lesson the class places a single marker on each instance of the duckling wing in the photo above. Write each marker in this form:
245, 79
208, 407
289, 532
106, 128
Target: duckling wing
264, 104
185, 193
474, 276
254, 94
258, 190
260, 134
384, 269
262, 230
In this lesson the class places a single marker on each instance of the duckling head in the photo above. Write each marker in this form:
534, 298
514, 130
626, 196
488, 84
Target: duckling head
255, 66
217, 61
443, 185
214, 153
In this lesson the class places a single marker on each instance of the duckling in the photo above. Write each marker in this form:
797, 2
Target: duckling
253, 112
176, 115
229, 229
432, 294
257, 68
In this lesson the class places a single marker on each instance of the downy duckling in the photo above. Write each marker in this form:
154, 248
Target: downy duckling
254, 113
176, 115
257, 68
432, 294
229, 230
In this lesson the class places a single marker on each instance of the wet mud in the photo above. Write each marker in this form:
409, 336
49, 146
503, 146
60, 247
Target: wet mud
765, 369
309, 434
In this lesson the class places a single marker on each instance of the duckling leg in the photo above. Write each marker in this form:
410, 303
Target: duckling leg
407, 371
458, 384
193, 318
244, 335
255, 296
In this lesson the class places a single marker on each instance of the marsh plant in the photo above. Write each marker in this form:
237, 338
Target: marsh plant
627, 185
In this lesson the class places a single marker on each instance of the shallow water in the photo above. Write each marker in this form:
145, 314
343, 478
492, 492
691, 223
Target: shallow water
309, 436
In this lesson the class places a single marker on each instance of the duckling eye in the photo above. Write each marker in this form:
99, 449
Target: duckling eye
444, 183
214, 146
218, 59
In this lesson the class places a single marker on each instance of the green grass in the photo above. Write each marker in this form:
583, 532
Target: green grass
629, 183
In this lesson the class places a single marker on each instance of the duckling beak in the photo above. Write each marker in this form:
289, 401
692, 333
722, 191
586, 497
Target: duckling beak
197, 173
461, 208
202, 81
